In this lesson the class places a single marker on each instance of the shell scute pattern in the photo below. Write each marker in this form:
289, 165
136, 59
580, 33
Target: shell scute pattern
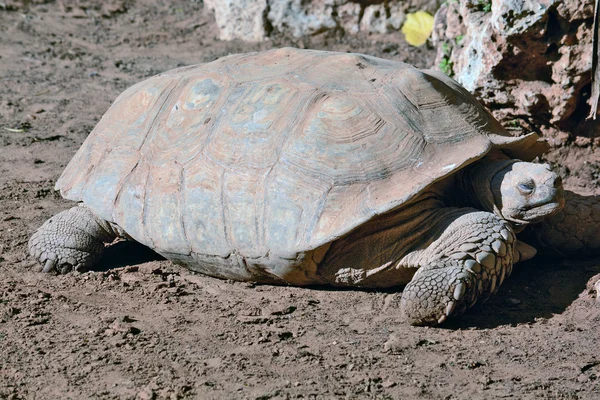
163, 210
124, 126
191, 118
270, 153
74, 179
243, 195
252, 129
130, 204
293, 204
106, 180
131, 118
204, 218
269, 65
179, 130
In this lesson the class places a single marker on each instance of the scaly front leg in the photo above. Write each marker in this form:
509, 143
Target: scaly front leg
467, 263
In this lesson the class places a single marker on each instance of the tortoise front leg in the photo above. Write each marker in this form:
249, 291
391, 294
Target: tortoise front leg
465, 264
574, 231
71, 240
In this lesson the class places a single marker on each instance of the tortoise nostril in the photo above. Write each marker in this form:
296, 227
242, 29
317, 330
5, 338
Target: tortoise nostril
558, 182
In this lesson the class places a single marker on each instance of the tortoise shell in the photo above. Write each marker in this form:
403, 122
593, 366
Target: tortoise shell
257, 158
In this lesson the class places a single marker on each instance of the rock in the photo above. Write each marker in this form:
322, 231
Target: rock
285, 311
396, 344
511, 301
375, 19
582, 378
147, 394
257, 20
301, 18
243, 19
349, 17
388, 384
528, 61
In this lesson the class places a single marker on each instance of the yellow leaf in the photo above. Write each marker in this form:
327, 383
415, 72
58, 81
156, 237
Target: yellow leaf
417, 28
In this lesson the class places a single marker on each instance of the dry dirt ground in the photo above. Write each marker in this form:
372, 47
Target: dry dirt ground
144, 328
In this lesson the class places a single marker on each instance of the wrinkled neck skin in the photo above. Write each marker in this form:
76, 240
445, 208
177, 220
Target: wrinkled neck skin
473, 186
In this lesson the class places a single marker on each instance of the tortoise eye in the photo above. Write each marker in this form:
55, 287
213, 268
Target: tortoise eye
526, 187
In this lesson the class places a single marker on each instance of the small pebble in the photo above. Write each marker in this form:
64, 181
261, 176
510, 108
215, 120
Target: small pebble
513, 302
388, 384
146, 395
582, 378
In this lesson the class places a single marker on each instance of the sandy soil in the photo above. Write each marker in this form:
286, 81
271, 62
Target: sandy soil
144, 328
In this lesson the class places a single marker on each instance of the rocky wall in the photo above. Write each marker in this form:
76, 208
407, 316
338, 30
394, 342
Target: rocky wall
256, 20
528, 61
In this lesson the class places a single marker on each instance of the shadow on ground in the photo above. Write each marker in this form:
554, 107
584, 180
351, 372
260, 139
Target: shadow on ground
536, 289
124, 253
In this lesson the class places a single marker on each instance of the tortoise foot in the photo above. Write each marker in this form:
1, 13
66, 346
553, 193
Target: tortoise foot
72, 240
470, 261
446, 288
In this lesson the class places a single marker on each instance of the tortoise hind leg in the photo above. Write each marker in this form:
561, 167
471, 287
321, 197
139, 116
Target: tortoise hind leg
71, 240
465, 264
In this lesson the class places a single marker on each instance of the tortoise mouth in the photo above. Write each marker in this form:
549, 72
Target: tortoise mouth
536, 212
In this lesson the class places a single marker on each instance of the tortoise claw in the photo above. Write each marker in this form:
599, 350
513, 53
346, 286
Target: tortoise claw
49, 266
435, 294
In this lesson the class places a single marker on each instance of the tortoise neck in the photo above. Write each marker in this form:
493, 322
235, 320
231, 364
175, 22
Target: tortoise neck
476, 183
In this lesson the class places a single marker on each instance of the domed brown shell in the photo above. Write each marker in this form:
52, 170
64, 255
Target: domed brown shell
271, 155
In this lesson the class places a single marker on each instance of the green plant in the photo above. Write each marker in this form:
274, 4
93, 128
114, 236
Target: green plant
513, 123
485, 5
446, 65
446, 48
459, 39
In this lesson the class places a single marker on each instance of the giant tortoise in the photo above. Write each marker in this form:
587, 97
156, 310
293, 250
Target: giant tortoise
316, 168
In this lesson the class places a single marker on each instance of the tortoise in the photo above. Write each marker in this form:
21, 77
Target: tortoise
305, 167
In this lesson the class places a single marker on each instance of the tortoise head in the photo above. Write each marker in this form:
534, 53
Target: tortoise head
527, 192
